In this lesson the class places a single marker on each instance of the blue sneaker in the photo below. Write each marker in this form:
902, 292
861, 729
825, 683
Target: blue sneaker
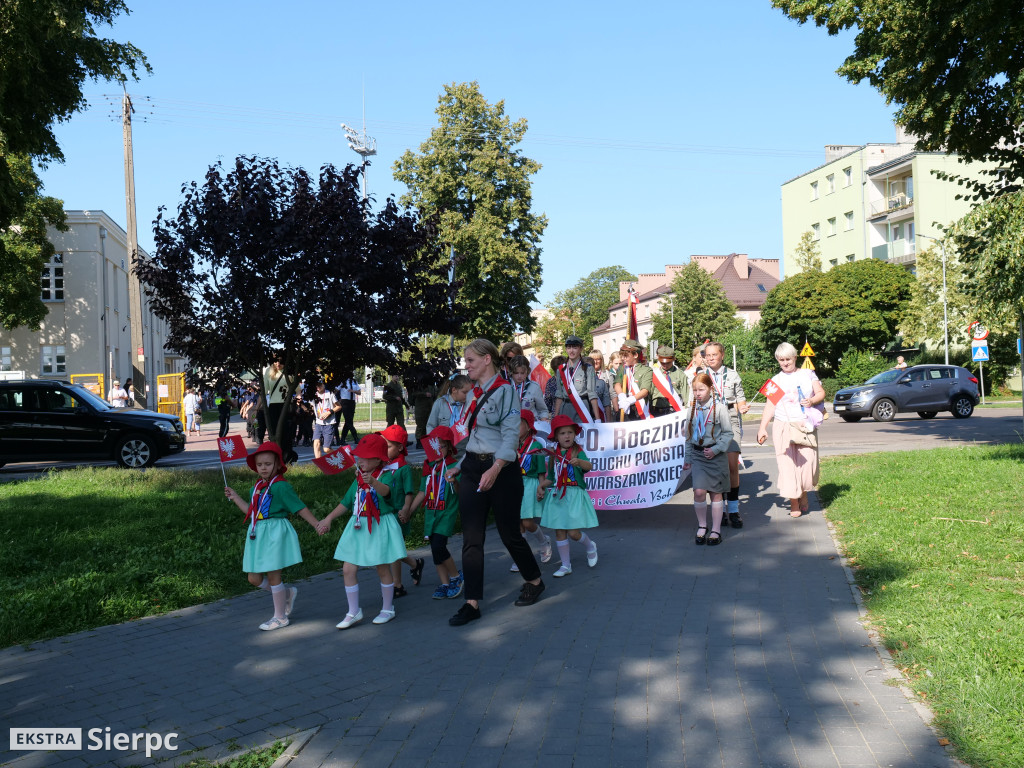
441, 592
455, 588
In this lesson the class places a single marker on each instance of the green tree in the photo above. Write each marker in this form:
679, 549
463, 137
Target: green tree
954, 70
24, 247
701, 310
48, 49
923, 320
858, 305
807, 253
579, 310
471, 175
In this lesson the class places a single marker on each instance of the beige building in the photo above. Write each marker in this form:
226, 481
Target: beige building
85, 288
746, 283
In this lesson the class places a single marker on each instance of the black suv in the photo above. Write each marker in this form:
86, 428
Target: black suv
924, 389
45, 420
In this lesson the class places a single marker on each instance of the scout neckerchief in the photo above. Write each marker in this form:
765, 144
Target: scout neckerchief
634, 391
367, 501
454, 409
525, 454
718, 388
701, 427
468, 420
569, 386
259, 504
520, 388
663, 384
437, 481
565, 477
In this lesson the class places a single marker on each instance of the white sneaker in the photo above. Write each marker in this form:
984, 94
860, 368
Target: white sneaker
293, 592
384, 617
545, 552
514, 568
274, 623
563, 570
592, 557
349, 619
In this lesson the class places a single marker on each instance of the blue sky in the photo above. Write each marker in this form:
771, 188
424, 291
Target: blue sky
663, 130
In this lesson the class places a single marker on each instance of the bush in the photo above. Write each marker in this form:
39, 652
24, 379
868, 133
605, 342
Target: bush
831, 385
753, 381
857, 367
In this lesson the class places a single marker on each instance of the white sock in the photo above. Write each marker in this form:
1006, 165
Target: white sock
587, 543
265, 585
352, 593
717, 507
563, 553
701, 508
280, 595
539, 537
387, 591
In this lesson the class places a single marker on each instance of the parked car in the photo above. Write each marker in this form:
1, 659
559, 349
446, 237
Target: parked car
50, 420
924, 389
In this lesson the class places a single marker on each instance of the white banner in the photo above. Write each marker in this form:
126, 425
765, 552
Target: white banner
637, 464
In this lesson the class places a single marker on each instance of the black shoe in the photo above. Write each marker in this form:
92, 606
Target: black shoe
417, 572
530, 593
734, 520
466, 614
400, 592
716, 540
702, 538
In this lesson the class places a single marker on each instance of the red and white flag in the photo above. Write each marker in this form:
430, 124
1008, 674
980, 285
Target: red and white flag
432, 449
231, 448
336, 461
538, 373
772, 392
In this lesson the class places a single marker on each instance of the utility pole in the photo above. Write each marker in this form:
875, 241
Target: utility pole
138, 349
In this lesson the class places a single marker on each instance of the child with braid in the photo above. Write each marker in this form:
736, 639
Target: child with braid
708, 435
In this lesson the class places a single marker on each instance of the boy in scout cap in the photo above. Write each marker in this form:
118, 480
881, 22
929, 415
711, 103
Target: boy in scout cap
661, 405
576, 390
633, 382
728, 389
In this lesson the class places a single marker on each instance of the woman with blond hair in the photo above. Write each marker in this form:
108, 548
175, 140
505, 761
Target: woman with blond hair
798, 464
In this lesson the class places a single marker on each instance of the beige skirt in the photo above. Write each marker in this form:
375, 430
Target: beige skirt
798, 464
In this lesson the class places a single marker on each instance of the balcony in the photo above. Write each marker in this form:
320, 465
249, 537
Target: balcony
891, 204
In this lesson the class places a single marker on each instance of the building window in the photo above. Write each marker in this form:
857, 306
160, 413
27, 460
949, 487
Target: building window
897, 232
849, 220
834, 262
761, 288
816, 231
814, 190
831, 180
832, 226
849, 257
53, 360
5, 358
52, 280
847, 176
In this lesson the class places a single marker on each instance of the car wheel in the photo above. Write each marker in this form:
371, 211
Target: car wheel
884, 410
927, 414
135, 452
963, 407
852, 419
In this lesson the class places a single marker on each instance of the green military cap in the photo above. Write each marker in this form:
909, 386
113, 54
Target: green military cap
666, 351
631, 345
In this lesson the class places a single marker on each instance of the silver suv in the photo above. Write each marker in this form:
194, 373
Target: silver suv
924, 389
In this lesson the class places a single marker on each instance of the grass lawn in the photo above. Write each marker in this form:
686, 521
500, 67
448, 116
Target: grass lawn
936, 540
93, 546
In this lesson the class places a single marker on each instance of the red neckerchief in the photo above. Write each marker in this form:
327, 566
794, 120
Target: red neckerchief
259, 503
525, 457
478, 393
564, 475
437, 482
367, 502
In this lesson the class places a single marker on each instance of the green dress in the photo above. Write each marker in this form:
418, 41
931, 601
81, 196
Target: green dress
532, 467
276, 544
441, 518
373, 542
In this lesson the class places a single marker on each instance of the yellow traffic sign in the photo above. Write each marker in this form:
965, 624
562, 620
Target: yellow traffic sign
808, 364
807, 351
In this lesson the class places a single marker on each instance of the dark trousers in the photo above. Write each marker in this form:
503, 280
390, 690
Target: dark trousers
505, 500
395, 414
348, 411
275, 412
224, 419
661, 410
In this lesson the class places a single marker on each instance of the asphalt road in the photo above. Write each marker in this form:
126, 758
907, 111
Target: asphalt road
988, 426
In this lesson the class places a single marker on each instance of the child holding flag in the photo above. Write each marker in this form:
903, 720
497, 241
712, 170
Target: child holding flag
532, 464
708, 435
272, 543
569, 508
439, 488
372, 535
398, 474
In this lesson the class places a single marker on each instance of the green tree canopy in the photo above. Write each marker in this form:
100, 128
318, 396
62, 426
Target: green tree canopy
580, 309
701, 311
857, 305
923, 320
955, 70
471, 175
807, 253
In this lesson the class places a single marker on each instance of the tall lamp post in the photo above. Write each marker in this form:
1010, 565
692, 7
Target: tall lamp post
945, 308
672, 307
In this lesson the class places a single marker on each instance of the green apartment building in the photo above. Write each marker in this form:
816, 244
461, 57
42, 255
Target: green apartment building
872, 201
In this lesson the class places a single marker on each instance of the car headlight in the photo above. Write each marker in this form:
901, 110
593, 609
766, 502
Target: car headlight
863, 394
166, 426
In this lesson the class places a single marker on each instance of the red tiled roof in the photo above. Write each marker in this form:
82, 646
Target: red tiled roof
745, 294
643, 297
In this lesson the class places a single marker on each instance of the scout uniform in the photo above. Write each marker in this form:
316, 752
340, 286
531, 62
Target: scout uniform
728, 389
583, 378
643, 376
660, 405
709, 427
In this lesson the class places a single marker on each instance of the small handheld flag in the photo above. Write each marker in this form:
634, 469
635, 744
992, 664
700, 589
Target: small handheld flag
772, 392
336, 461
230, 449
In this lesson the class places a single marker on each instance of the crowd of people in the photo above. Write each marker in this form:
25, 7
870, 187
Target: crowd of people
498, 468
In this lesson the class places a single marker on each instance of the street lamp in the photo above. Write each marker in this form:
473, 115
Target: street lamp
672, 307
945, 308
363, 145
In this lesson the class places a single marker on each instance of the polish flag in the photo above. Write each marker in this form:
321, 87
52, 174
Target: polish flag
772, 392
336, 461
231, 448
538, 372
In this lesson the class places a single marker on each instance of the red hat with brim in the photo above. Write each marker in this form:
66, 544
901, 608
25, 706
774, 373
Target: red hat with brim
530, 418
397, 434
442, 432
372, 447
564, 421
267, 447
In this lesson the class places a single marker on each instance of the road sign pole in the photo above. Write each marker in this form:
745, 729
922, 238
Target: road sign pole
981, 372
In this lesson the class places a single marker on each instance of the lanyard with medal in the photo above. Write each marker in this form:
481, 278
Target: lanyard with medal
701, 427
259, 504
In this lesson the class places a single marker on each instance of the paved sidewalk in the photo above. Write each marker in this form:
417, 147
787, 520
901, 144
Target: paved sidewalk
666, 654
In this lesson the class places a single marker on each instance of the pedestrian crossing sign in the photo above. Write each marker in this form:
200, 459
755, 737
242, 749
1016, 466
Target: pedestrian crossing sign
807, 351
979, 352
